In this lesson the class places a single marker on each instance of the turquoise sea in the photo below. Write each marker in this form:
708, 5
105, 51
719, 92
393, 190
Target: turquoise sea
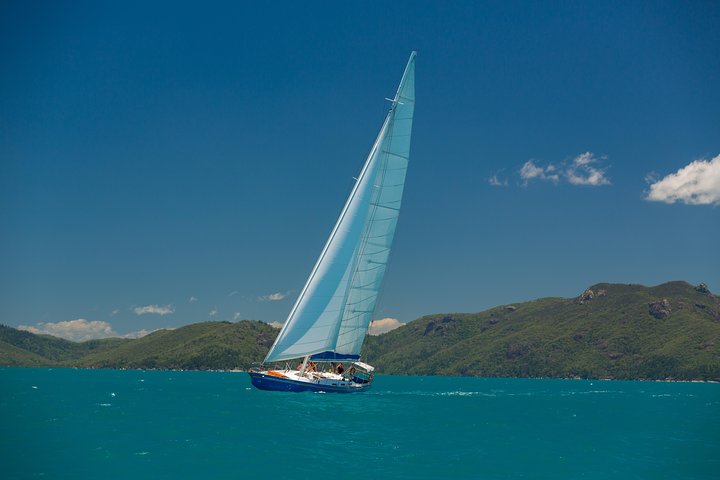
64, 423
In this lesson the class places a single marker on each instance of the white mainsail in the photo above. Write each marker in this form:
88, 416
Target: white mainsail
334, 309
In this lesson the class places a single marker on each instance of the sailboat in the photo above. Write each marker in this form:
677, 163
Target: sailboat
326, 327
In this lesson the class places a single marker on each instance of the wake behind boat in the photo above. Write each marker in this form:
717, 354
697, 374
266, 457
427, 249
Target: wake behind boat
330, 319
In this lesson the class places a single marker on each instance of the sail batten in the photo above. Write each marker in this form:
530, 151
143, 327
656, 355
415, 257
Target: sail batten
335, 307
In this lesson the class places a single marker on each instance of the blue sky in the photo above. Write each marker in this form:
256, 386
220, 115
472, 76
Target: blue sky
168, 163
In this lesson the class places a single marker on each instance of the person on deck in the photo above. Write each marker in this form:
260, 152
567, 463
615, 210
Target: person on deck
340, 369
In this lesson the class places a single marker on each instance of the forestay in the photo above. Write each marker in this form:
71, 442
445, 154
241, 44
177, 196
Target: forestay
334, 309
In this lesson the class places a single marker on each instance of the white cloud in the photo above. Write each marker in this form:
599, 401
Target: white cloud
193, 299
155, 309
213, 312
81, 330
384, 325
273, 297
530, 171
115, 312
583, 172
497, 182
276, 324
695, 184
236, 316
233, 293
76, 330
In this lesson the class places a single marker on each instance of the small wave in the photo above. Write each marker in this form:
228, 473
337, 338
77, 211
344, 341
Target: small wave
104, 404
454, 393
590, 392
466, 394
142, 453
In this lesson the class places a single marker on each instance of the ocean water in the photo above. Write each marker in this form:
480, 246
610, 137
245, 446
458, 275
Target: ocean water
105, 424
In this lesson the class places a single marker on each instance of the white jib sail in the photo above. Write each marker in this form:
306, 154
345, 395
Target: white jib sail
334, 309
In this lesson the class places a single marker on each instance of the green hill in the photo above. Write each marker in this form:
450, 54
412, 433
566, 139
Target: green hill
200, 346
13, 356
671, 331
18, 347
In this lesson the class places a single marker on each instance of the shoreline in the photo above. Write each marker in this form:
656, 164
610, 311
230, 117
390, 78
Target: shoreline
237, 370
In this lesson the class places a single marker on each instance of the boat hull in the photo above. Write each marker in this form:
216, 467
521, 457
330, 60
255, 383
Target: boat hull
263, 381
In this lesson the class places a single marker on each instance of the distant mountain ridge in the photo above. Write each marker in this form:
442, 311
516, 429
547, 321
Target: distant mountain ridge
671, 331
198, 346
21, 348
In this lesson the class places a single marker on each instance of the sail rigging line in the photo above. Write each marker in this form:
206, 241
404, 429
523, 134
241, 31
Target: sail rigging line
373, 268
397, 154
385, 206
361, 301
